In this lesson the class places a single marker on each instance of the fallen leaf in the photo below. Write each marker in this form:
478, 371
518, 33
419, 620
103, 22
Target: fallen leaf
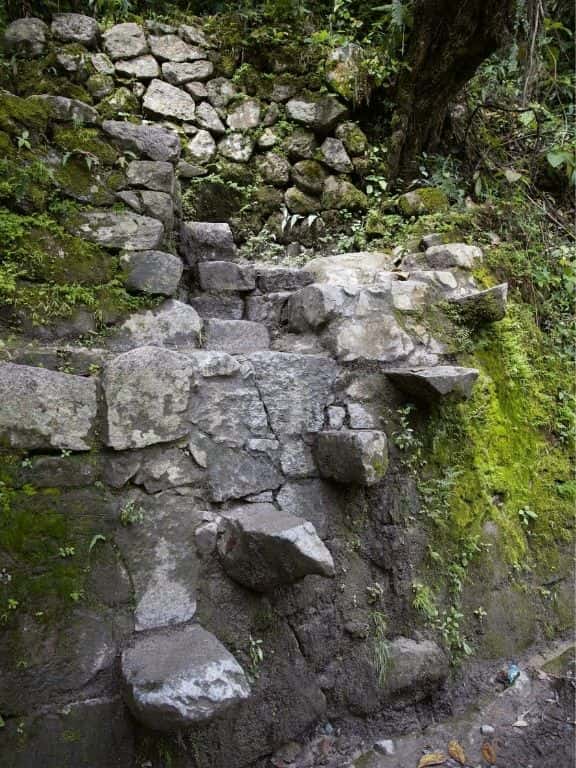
489, 753
432, 758
456, 752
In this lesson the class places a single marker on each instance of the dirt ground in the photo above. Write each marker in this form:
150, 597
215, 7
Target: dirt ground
530, 724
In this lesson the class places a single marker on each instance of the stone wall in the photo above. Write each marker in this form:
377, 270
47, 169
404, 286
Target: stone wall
207, 517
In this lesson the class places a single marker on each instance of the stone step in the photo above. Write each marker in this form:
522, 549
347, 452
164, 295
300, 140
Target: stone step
235, 336
435, 383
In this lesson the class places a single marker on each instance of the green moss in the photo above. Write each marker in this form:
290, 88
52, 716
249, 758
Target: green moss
501, 448
428, 200
6, 146
85, 140
27, 184
17, 113
119, 103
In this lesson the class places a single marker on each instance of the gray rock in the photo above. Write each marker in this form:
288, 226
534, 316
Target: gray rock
336, 417
274, 169
193, 34
202, 148
350, 269
226, 276
164, 99
100, 86
197, 91
75, 471
172, 324
127, 231
428, 241
416, 668
190, 170
268, 309
301, 203
208, 118
309, 176
282, 91
322, 114
295, 389
271, 279
46, 409
234, 474
172, 48
236, 147
159, 205
157, 548
301, 145
453, 255
487, 730
125, 41
181, 73
364, 416
245, 116
75, 28
353, 138
206, 536
346, 73
67, 110
102, 64
142, 67
297, 459
262, 547
314, 305
225, 306
26, 37
236, 336
153, 141
432, 384
317, 501
207, 241
220, 92
373, 338
151, 174
384, 747
271, 115
267, 139
176, 679
153, 272
354, 457
341, 194
147, 391
335, 156
486, 306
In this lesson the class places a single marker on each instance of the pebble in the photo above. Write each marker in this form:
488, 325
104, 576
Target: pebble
385, 747
487, 730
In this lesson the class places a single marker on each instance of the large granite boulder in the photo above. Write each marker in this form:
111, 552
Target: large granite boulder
436, 383
26, 37
295, 389
153, 141
122, 231
46, 409
174, 680
125, 41
147, 391
75, 28
263, 547
358, 457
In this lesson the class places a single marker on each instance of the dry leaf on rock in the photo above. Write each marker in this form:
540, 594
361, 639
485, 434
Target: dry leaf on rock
456, 752
489, 753
432, 758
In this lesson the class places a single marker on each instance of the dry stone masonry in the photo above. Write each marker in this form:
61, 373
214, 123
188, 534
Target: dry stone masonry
215, 447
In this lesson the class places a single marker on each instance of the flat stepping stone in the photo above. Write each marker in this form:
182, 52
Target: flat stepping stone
176, 679
435, 383
236, 336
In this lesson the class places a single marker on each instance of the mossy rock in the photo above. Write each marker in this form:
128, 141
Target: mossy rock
24, 184
375, 224
84, 140
121, 102
340, 194
99, 86
346, 74
78, 180
268, 199
427, 200
353, 138
212, 200
6, 146
17, 114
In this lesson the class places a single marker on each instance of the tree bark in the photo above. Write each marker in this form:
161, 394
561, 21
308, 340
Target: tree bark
448, 42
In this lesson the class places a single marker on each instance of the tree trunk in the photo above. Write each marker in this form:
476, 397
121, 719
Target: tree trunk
449, 40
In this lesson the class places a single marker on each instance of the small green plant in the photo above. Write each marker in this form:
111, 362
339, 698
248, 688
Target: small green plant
256, 655
527, 517
374, 593
424, 601
381, 647
131, 514
67, 551
23, 140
